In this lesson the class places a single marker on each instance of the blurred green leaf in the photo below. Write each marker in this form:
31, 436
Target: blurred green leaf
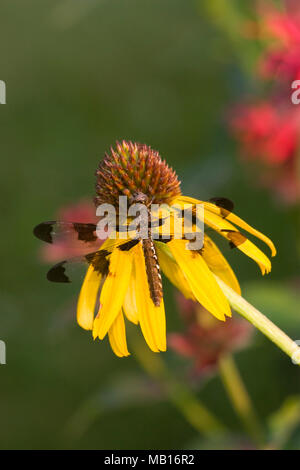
231, 18
277, 301
284, 421
123, 391
228, 442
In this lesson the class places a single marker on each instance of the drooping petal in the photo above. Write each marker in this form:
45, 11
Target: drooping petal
88, 298
117, 336
202, 282
113, 291
231, 217
151, 318
129, 305
171, 269
218, 264
231, 233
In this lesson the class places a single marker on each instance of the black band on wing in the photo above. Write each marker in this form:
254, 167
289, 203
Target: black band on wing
226, 205
236, 238
99, 261
43, 231
128, 245
57, 273
49, 231
163, 239
86, 232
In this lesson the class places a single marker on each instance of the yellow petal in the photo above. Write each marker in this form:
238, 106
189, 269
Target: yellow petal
171, 269
231, 233
113, 291
230, 216
253, 252
218, 264
87, 299
129, 305
201, 280
241, 223
96, 323
113, 241
117, 336
151, 318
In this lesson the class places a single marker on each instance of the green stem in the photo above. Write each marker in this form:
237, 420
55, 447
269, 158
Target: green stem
260, 321
179, 394
240, 398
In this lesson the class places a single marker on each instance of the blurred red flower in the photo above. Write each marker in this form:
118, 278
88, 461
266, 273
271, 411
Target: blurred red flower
206, 339
282, 58
268, 130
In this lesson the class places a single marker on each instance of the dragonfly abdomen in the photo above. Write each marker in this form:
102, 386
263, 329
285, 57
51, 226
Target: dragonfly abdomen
153, 271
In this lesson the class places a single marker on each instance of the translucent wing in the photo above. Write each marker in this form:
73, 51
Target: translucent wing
54, 230
226, 205
64, 271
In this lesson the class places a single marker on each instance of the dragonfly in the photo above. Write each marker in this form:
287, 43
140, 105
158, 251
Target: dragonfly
85, 237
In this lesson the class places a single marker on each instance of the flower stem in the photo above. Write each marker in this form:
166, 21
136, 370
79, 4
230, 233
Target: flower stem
179, 394
240, 398
260, 321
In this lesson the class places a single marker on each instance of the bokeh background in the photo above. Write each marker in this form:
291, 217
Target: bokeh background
81, 74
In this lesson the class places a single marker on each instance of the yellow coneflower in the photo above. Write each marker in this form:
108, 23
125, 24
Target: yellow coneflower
129, 280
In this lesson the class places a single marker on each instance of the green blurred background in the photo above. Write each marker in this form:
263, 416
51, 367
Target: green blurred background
81, 74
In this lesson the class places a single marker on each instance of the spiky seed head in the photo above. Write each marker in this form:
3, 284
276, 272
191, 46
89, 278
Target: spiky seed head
136, 171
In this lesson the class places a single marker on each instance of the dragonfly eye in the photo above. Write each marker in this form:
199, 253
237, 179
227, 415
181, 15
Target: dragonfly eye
139, 197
